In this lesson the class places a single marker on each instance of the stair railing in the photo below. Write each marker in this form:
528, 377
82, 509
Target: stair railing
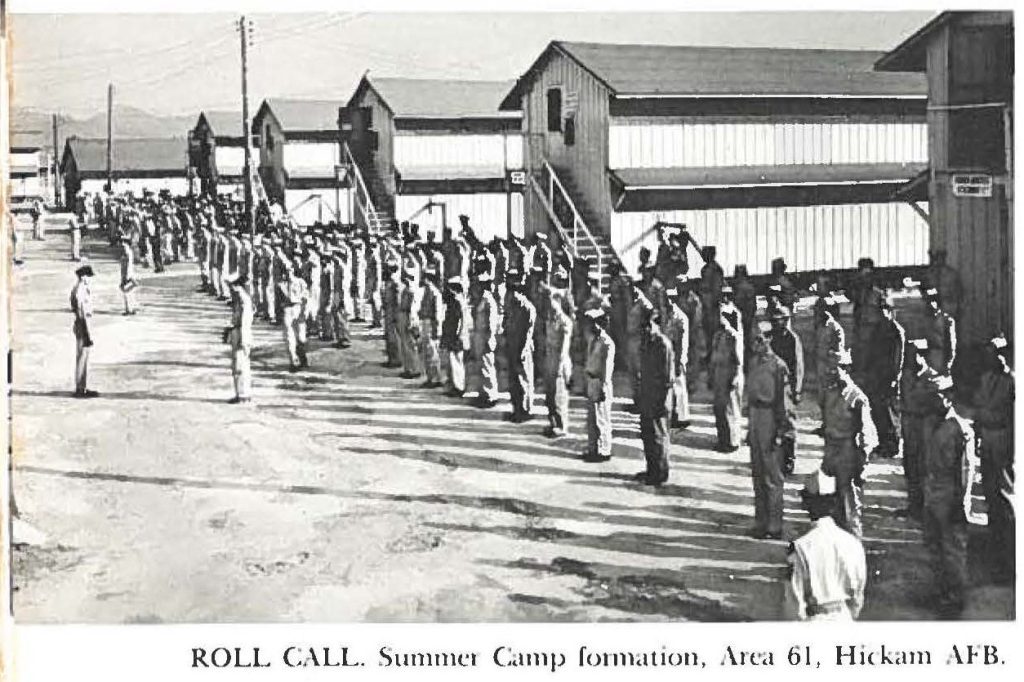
579, 227
364, 202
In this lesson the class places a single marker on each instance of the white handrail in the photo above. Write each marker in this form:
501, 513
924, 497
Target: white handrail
539, 191
365, 201
577, 221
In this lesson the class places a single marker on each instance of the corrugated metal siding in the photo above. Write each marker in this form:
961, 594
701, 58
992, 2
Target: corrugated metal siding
643, 144
488, 213
458, 151
808, 237
582, 165
311, 211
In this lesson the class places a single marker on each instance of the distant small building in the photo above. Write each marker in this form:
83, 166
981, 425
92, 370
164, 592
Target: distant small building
217, 152
137, 165
30, 166
300, 158
968, 58
421, 144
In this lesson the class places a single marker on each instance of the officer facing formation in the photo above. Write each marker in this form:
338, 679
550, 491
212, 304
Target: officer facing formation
657, 376
827, 565
599, 390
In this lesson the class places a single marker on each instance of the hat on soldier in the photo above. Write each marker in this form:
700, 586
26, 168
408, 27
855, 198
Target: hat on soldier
454, 283
637, 279
487, 278
998, 342
84, 271
764, 326
541, 235
594, 313
865, 263
919, 344
671, 293
944, 383
560, 274
682, 279
818, 484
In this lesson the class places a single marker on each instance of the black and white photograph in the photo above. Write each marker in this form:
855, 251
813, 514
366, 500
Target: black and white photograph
509, 317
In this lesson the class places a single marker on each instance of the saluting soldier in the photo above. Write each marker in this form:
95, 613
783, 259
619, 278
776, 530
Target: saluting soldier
128, 281
431, 319
358, 264
455, 337
850, 437
521, 316
690, 304
558, 333
745, 297
657, 376
940, 333
375, 277
771, 433
634, 334
725, 375
599, 389
712, 279
677, 329
328, 264
620, 300
828, 568
409, 323
485, 341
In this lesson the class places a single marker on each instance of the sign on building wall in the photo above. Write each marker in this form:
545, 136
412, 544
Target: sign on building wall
571, 103
972, 185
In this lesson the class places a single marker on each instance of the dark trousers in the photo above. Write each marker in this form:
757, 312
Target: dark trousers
158, 255
997, 478
654, 434
885, 412
520, 383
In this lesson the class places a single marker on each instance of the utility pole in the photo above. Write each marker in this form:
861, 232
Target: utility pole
110, 133
244, 31
56, 170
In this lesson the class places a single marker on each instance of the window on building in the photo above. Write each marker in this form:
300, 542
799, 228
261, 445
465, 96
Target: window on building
555, 110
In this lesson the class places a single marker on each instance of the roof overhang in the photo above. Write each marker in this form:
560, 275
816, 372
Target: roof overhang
910, 55
662, 189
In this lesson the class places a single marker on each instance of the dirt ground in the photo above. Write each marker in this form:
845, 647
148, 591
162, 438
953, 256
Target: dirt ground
344, 493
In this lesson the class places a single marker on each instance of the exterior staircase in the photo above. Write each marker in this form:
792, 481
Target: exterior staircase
571, 219
375, 206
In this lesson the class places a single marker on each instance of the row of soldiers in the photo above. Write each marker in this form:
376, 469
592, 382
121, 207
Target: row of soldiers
443, 304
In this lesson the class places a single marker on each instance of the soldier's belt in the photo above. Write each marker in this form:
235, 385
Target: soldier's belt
828, 607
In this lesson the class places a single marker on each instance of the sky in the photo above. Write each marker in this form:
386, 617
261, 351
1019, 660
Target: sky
184, 63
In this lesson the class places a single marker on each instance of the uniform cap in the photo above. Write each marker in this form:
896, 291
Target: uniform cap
727, 289
485, 277
944, 382
931, 292
84, 271
920, 344
910, 283
840, 358
638, 279
764, 326
998, 342
541, 235
682, 279
671, 293
594, 313
819, 484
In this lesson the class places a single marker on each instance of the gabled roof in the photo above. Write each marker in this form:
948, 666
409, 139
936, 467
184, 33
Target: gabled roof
437, 98
687, 71
910, 55
222, 123
303, 114
129, 155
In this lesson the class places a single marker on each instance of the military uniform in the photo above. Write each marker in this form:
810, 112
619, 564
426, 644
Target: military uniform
241, 339
849, 437
634, 334
294, 295
829, 339
921, 407
770, 430
408, 326
880, 381
81, 306
455, 338
520, 319
698, 351
657, 376
485, 342
948, 477
599, 391
725, 374
677, 329
431, 317
993, 418
558, 333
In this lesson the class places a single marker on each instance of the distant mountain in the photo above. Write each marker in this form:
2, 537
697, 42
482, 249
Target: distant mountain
128, 122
